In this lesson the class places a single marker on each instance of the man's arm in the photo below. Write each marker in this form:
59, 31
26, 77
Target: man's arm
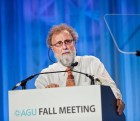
107, 80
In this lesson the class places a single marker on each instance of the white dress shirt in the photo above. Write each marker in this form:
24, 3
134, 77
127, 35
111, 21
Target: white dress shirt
86, 64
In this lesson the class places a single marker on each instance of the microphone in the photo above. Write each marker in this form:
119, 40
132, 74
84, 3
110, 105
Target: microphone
23, 82
74, 64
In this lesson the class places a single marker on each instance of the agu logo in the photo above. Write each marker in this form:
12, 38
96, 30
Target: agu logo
26, 112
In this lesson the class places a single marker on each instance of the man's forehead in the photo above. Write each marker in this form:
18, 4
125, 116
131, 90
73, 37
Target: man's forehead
61, 34
63, 31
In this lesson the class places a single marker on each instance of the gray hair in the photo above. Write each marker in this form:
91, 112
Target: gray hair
59, 28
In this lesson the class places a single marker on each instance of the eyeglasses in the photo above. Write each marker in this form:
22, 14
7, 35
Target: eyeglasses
60, 43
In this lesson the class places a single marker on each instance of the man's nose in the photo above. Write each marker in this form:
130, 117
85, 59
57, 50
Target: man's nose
64, 46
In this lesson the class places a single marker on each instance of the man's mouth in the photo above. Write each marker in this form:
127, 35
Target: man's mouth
65, 53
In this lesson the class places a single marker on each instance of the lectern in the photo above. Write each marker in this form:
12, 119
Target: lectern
80, 103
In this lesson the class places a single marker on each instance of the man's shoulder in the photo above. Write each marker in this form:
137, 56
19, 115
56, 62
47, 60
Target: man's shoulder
87, 58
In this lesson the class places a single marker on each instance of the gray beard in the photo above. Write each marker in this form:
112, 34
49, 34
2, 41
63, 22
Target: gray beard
67, 59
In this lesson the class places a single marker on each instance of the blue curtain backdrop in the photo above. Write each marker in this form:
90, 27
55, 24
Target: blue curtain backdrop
24, 25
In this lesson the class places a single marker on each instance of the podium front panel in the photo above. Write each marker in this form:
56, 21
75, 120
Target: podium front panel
81, 103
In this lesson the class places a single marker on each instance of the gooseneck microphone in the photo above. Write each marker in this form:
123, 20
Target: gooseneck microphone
89, 76
74, 64
23, 82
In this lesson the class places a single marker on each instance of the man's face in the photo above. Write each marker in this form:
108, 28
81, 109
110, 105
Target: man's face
65, 52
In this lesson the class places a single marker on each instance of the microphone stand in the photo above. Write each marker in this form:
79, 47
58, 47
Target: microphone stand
23, 82
91, 77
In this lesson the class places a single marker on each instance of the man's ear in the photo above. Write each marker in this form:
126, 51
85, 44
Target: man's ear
51, 47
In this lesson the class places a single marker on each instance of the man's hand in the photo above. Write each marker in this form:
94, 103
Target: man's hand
52, 85
120, 106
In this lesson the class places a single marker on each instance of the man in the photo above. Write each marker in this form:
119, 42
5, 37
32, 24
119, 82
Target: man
61, 40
